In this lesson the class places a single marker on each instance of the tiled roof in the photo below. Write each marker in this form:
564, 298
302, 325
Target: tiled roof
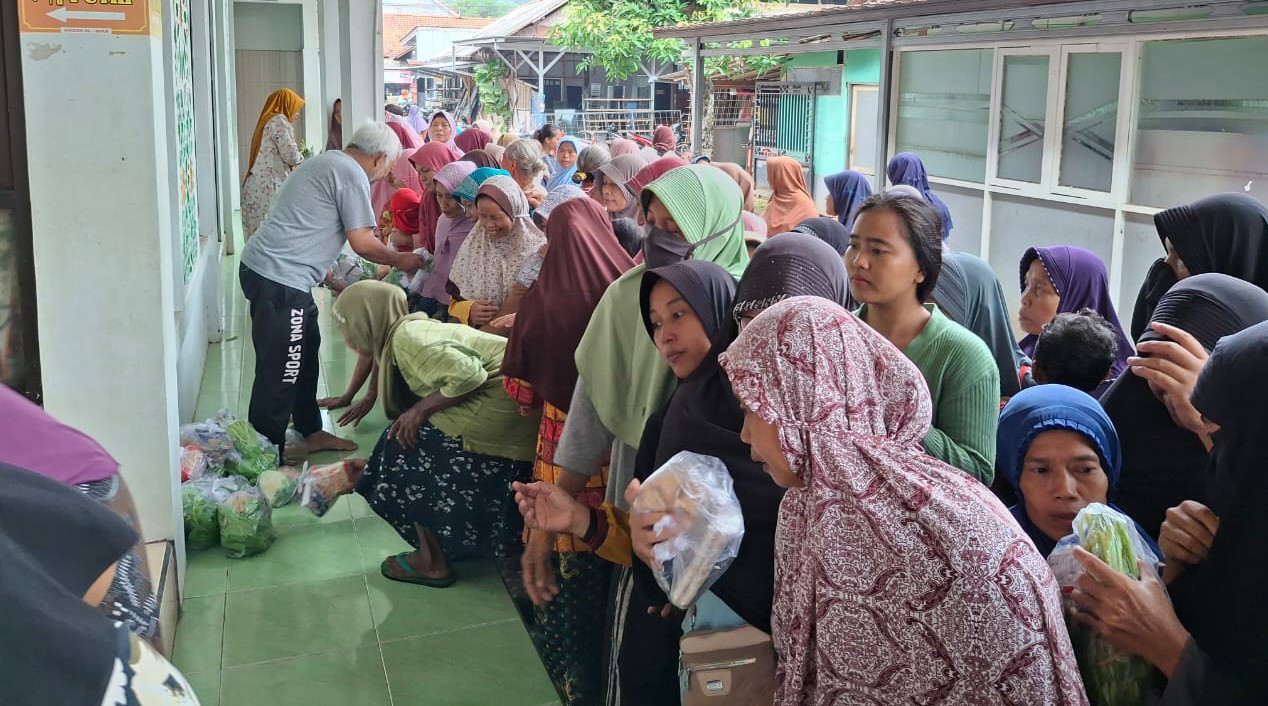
397, 27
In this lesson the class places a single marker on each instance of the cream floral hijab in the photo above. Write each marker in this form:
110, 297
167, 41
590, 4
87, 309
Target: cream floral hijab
486, 267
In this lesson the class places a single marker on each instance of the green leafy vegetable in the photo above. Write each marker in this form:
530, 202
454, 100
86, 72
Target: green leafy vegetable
246, 524
278, 486
202, 518
258, 455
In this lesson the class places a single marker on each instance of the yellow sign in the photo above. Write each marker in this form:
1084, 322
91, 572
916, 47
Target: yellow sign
103, 16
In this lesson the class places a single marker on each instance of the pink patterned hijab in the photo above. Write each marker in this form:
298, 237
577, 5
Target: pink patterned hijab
898, 579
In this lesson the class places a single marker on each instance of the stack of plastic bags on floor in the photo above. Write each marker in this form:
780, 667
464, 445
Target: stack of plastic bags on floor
231, 483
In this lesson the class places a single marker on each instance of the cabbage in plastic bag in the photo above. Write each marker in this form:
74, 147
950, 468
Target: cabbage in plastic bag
201, 500
246, 524
1112, 677
258, 454
699, 495
279, 486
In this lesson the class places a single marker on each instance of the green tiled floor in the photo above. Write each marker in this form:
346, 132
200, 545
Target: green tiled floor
311, 621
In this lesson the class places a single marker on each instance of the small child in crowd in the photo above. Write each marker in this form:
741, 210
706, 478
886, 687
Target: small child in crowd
1076, 349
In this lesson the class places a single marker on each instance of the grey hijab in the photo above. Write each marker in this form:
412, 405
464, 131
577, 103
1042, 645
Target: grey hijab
970, 294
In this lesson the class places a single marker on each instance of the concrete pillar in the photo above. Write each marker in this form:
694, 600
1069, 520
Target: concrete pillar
102, 241
885, 89
697, 97
317, 105
361, 52
331, 55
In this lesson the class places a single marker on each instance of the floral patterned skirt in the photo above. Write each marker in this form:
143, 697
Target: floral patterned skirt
464, 498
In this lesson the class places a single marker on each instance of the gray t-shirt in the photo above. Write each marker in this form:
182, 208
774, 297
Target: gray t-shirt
308, 221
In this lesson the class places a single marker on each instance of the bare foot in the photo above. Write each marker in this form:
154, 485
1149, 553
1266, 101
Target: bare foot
325, 441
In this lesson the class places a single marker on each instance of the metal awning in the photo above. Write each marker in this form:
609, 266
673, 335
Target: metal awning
928, 22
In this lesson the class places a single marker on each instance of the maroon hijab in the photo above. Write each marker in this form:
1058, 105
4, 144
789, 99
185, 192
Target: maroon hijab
31, 439
433, 156
583, 257
473, 138
480, 158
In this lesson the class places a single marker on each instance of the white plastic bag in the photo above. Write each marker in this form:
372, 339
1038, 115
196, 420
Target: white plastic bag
1112, 677
212, 438
699, 496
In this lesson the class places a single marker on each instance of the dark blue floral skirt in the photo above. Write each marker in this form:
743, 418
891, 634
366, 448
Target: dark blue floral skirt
464, 498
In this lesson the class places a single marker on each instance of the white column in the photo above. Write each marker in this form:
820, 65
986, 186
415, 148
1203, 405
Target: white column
331, 66
361, 52
697, 97
102, 245
316, 102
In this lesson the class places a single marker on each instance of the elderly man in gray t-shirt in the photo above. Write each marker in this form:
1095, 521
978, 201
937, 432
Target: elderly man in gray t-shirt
322, 205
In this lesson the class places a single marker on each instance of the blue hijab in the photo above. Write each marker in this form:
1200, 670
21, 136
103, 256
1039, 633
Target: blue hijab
1055, 407
849, 190
563, 177
466, 191
906, 168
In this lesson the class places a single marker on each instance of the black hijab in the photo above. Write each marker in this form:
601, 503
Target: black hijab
1221, 601
1225, 233
54, 543
704, 416
1162, 463
829, 230
791, 265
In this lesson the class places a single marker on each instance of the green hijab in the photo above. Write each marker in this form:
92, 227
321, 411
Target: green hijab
368, 313
625, 378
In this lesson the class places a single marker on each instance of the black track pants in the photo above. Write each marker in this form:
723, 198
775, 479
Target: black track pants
284, 332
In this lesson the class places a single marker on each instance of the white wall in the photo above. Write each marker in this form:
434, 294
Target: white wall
274, 26
292, 28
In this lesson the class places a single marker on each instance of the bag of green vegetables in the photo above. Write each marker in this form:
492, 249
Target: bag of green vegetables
258, 453
1112, 677
246, 523
201, 500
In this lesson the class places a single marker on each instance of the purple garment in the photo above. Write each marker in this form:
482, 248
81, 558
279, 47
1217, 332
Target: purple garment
450, 233
906, 168
849, 190
31, 439
415, 120
1081, 281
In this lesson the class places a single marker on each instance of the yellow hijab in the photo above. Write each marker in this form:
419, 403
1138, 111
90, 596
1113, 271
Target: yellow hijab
284, 102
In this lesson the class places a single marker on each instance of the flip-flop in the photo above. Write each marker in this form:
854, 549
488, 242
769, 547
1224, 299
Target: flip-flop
414, 577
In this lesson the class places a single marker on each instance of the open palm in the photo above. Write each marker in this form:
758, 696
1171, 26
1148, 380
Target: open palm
546, 507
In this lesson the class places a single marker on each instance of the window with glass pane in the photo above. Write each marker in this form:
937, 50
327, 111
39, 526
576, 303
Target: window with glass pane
1202, 121
1023, 113
944, 105
1091, 120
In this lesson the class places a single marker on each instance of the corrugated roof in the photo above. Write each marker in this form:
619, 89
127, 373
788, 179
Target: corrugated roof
397, 27
522, 21
418, 7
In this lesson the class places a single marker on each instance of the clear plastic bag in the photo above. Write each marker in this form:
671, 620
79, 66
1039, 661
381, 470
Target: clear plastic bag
322, 485
246, 523
296, 451
699, 496
279, 485
1112, 677
212, 438
256, 454
193, 464
200, 500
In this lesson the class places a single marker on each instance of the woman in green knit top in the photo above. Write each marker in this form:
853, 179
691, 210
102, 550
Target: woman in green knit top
893, 261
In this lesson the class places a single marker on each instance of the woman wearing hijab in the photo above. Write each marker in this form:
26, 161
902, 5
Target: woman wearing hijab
566, 155
970, 294
274, 154
829, 230
473, 138
1062, 279
443, 129
439, 475
742, 179
792, 265
540, 372
1214, 651
33, 440
1225, 233
482, 159
894, 262
493, 254
664, 141
872, 576
60, 550
555, 199
409, 139
906, 168
428, 160
790, 200
1164, 464
415, 120
846, 191
651, 173
334, 133
452, 229
620, 201
404, 175
621, 146
1059, 453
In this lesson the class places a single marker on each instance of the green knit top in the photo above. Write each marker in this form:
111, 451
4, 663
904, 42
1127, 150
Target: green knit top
964, 385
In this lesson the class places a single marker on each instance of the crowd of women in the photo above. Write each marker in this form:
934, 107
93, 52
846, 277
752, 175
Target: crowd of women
904, 465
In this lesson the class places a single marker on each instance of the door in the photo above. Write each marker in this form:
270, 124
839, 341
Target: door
19, 351
783, 125
574, 96
259, 74
864, 130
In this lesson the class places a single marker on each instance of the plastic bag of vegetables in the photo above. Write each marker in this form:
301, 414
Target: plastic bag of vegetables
258, 453
279, 486
322, 485
246, 523
1112, 677
212, 439
201, 500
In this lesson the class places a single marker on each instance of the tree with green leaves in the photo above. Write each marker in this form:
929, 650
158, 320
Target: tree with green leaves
482, 8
